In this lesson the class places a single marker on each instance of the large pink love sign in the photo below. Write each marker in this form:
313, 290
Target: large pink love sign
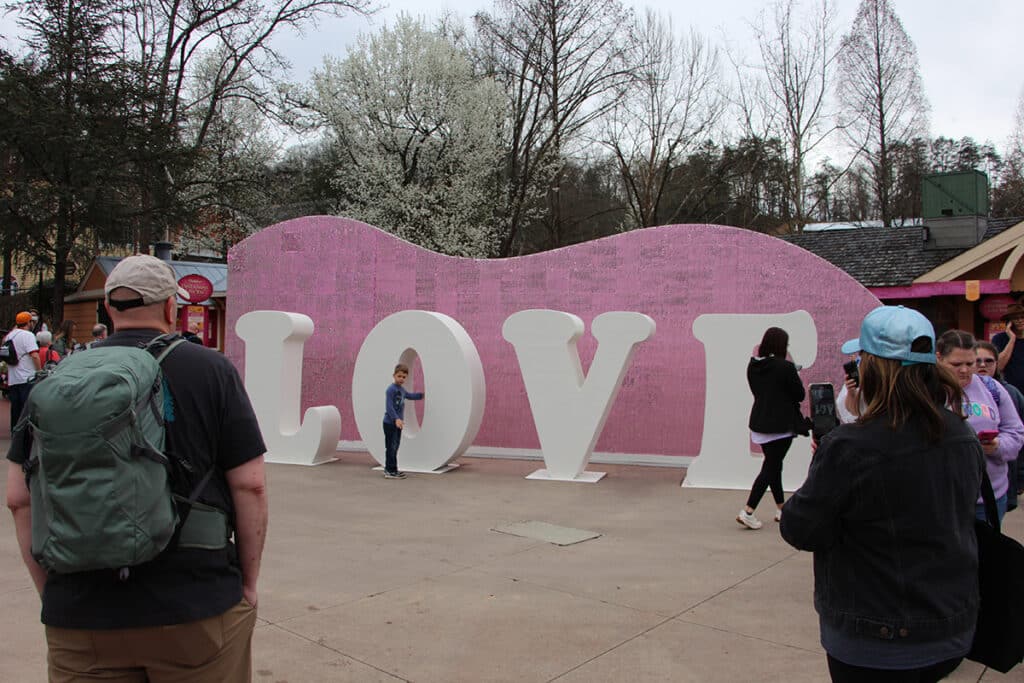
632, 347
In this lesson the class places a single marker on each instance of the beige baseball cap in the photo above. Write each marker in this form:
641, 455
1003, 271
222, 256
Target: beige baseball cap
151, 278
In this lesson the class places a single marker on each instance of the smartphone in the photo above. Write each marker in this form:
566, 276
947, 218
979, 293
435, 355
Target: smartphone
852, 370
987, 435
823, 409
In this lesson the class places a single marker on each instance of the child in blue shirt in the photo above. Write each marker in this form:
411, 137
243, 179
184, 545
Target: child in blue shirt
394, 412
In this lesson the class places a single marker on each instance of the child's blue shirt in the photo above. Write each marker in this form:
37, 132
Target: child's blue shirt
394, 402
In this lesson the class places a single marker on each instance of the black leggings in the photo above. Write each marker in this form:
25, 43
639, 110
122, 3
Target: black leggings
771, 472
845, 673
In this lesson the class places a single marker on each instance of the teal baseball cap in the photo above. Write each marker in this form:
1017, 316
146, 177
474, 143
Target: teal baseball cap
889, 332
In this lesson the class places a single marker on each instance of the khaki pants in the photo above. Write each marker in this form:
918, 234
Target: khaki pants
215, 649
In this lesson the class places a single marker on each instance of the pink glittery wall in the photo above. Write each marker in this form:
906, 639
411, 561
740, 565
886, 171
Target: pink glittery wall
347, 276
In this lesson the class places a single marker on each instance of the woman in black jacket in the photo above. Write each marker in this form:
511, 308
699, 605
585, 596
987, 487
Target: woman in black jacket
777, 391
888, 510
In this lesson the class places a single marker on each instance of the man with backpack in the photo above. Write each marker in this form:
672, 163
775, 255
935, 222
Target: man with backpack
184, 606
21, 353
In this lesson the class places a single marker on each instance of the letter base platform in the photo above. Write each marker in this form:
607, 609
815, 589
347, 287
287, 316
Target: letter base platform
582, 478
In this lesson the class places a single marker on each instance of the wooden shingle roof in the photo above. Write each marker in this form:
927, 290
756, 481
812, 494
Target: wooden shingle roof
883, 257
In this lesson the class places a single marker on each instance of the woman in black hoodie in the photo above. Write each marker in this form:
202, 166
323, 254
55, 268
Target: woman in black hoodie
777, 391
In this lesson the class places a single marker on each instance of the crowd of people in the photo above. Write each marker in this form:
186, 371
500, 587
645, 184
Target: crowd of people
40, 351
888, 507
893, 493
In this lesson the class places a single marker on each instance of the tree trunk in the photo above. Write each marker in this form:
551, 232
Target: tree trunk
61, 251
8, 257
60, 270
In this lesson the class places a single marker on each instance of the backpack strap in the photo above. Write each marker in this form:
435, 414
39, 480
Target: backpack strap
162, 345
193, 497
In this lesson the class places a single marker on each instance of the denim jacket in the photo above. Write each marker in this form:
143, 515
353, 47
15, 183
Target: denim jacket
890, 519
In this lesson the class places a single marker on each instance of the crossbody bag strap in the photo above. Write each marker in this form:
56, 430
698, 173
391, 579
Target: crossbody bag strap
990, 384
988, 496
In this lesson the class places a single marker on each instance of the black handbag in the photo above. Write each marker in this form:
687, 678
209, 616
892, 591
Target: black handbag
999, 636
801, 423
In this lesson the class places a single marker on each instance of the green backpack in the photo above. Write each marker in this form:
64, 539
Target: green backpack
98, 476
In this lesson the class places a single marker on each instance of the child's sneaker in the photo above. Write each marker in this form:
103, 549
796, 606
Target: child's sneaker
748, 520
394, 475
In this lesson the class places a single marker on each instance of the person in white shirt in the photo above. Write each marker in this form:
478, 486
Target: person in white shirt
18, 375
849, 404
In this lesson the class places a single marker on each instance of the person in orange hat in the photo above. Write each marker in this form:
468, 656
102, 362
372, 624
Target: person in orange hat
21, 353
1011, 347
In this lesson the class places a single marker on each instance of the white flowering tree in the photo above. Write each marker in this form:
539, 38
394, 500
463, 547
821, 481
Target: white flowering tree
420, 134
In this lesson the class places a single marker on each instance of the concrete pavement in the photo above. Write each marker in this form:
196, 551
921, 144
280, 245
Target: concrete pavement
367, 579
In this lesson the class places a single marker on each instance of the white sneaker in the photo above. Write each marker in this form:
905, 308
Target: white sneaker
778, 515
748, 520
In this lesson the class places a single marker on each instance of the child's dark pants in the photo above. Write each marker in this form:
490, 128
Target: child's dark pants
392, 437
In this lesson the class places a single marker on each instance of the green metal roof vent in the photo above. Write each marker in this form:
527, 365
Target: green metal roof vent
946, 195
954, 207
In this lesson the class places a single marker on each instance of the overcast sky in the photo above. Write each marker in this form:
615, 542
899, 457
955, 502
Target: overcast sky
969, 51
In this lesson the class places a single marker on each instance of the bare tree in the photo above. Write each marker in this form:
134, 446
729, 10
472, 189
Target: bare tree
228, 181
1008, 195
661, 115
555, 59
118, 116
1016, 143
796, 64
230, 41
881, 92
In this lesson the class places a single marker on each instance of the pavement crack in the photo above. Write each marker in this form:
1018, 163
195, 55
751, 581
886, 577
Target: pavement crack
613, 647
746, 635
773, 565
672, 618
321, 643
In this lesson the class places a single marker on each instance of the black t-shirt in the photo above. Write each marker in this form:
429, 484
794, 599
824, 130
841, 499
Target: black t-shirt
1014, 370
210, 422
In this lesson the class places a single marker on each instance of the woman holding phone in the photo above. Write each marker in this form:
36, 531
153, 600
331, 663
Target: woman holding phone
988, 359
989, 410
888, 511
